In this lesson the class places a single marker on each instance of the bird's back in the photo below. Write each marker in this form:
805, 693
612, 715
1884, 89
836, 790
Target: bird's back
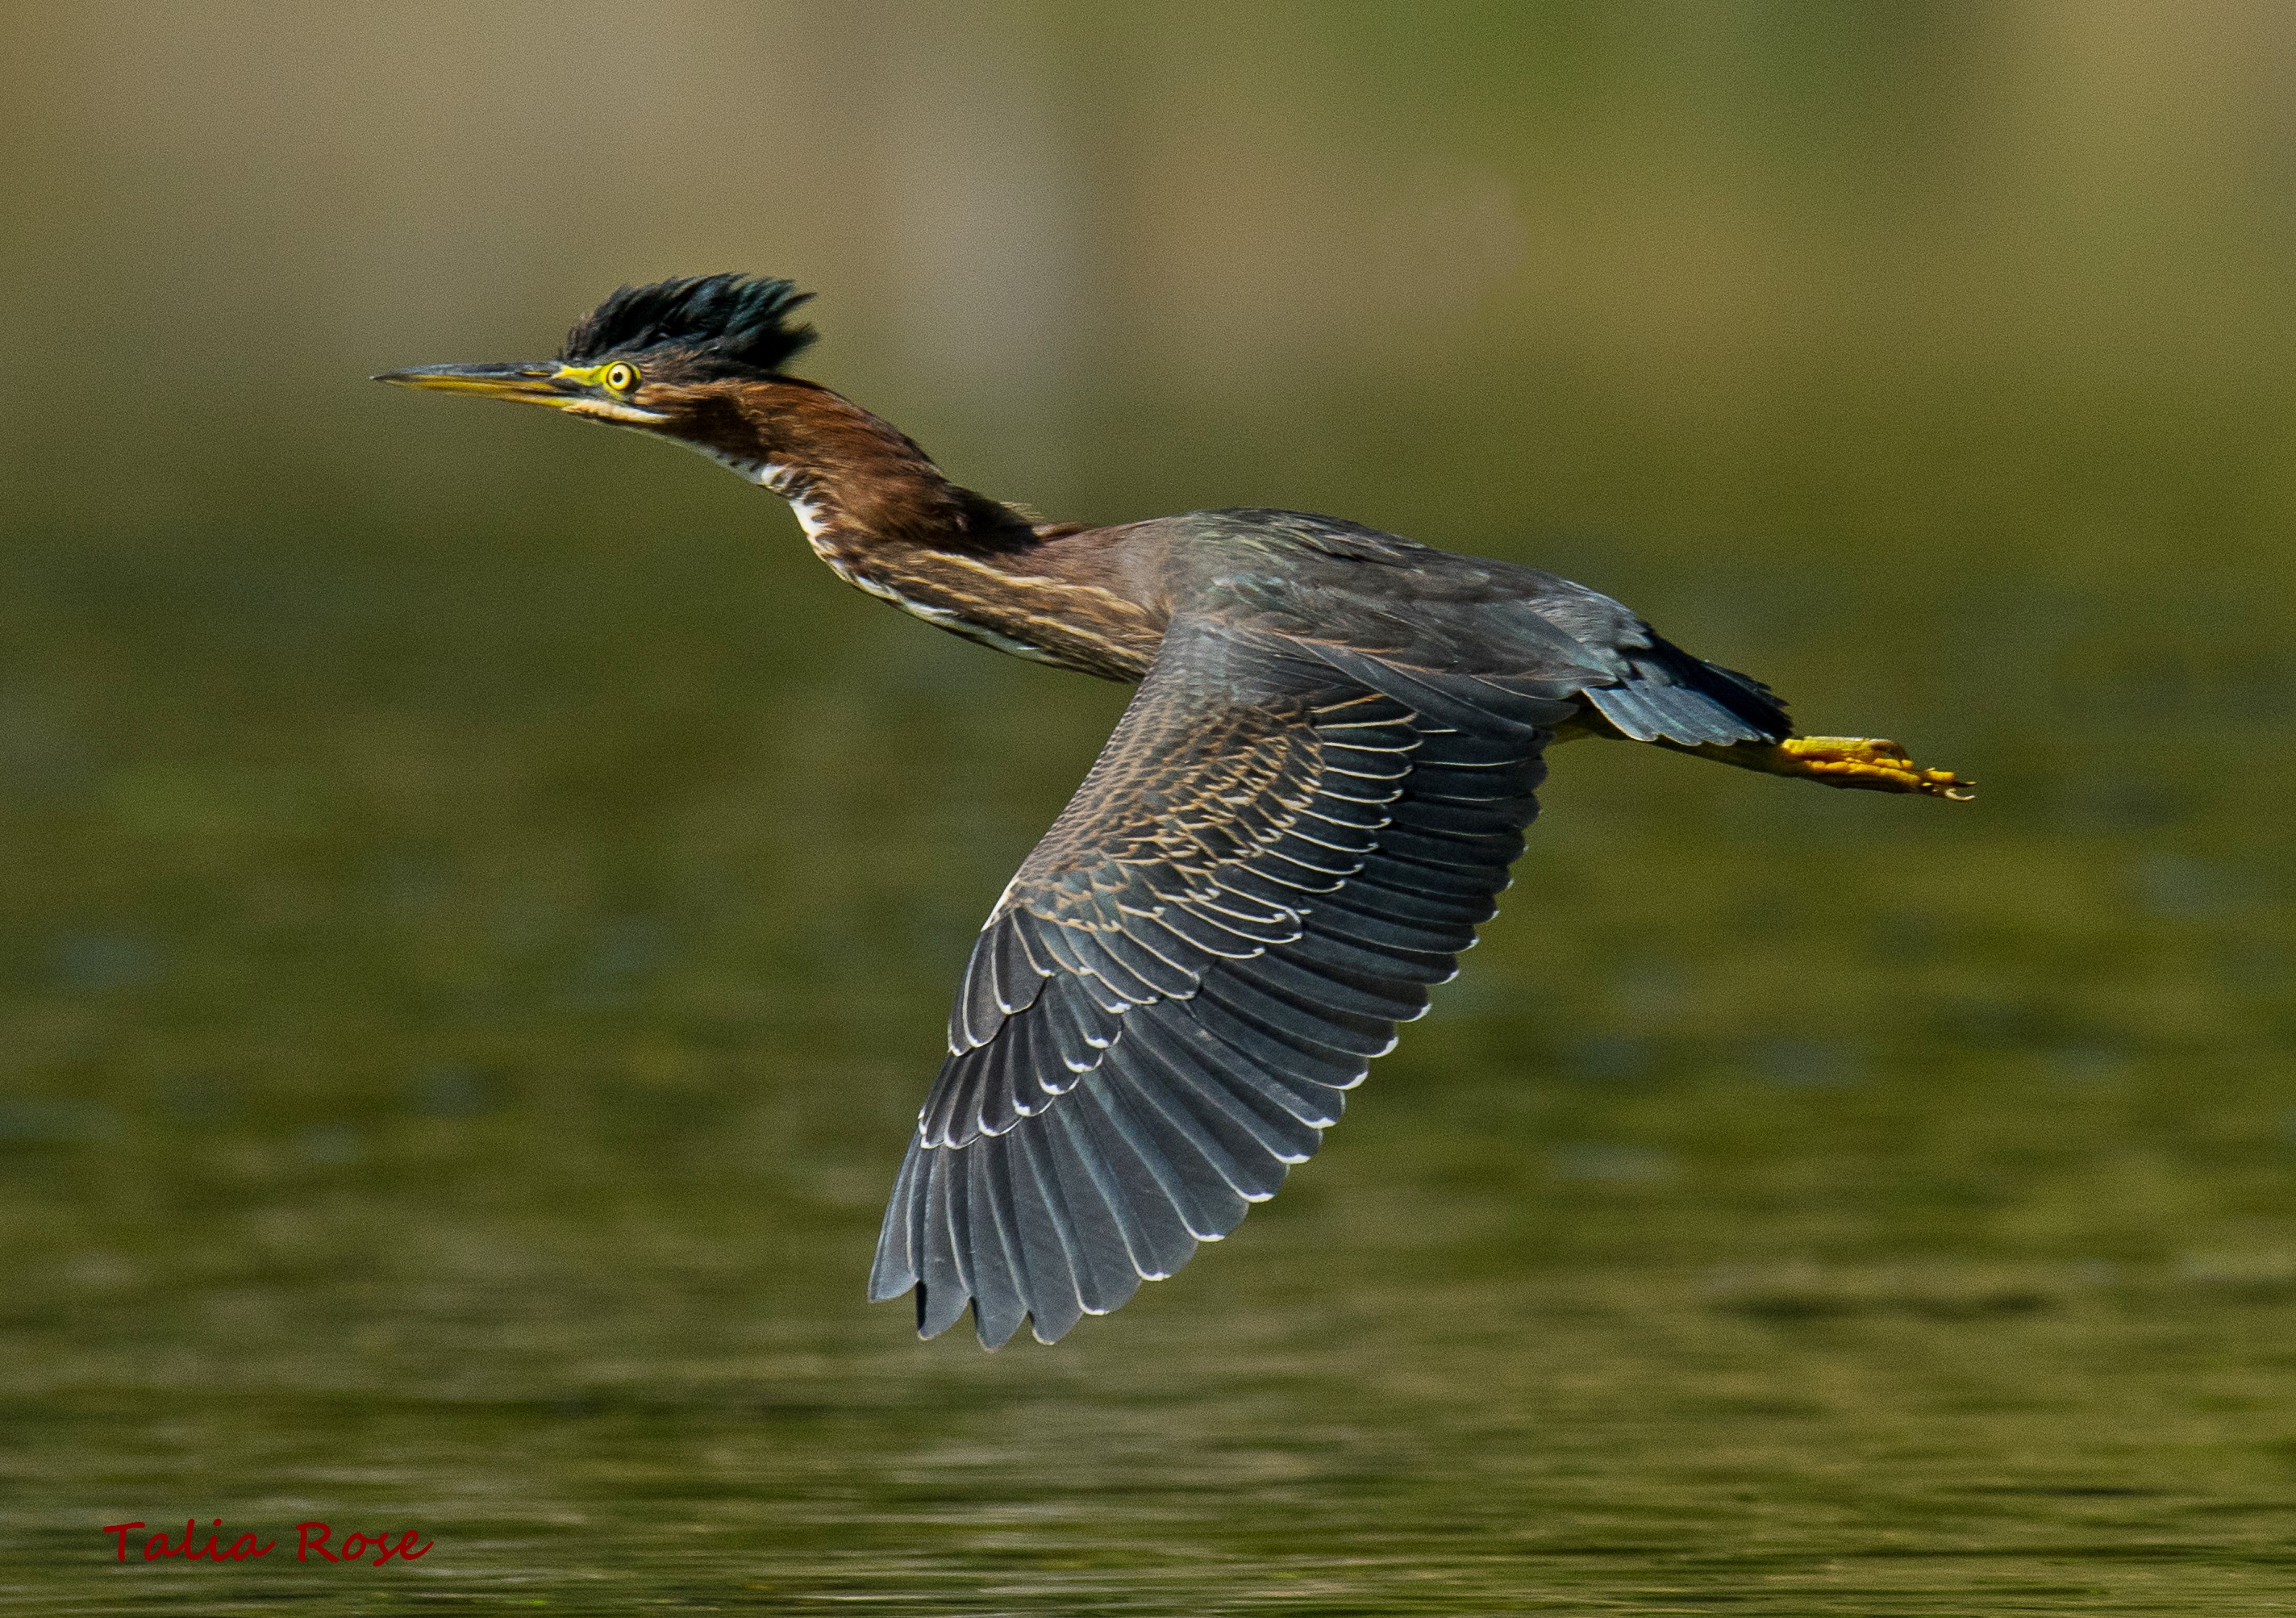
1323, 579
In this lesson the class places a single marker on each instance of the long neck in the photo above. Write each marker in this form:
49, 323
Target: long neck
876, 509
847, 473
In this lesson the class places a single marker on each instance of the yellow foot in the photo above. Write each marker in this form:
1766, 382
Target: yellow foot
1875, 766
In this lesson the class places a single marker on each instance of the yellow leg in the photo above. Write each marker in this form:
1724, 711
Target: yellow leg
1856, 761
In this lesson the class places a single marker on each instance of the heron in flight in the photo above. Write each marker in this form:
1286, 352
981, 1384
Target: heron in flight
1307, 809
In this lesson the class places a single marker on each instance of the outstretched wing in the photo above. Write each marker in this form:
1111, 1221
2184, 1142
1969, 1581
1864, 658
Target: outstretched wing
1283, 843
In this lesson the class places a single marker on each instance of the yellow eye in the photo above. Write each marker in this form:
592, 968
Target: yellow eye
621, 378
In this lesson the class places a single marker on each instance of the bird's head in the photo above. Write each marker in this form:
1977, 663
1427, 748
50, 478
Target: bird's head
669, 358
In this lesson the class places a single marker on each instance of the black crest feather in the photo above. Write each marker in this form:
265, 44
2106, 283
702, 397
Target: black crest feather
733, 323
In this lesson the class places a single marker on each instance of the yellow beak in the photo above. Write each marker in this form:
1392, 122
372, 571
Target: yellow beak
544, 382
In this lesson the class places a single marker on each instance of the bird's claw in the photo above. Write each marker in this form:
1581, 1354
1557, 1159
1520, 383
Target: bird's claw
1868, 763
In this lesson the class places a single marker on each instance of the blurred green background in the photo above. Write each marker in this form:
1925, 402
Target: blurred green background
478, 898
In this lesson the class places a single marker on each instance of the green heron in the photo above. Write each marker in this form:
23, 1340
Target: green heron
1307, 810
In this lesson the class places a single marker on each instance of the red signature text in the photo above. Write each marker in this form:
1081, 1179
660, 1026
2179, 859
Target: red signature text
312, 1540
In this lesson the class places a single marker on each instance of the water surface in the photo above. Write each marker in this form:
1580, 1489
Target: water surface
479, 901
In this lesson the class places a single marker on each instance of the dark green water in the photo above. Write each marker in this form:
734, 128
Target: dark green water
477, 901
455, 1067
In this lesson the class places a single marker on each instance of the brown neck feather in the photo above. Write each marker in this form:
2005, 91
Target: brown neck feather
879, 511
855, 472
